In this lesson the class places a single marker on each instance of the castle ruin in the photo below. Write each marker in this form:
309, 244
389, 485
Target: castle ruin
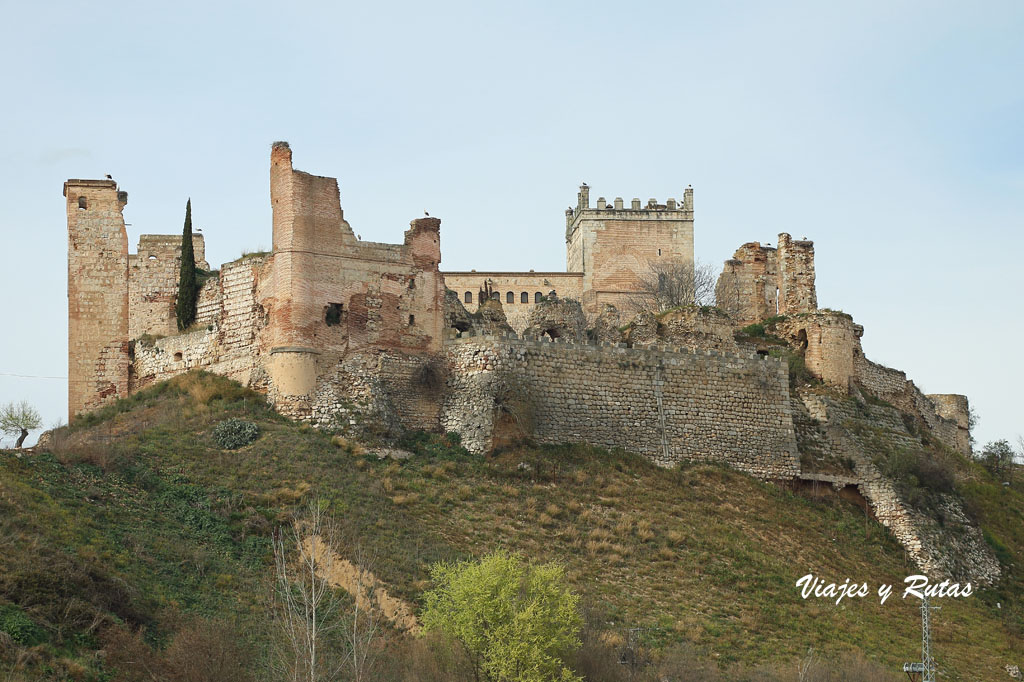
335, 330
344, 333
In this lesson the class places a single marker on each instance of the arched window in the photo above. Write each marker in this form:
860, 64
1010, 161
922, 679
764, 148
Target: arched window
510, 297
537, 296
495, 295
524, 297
468, 298
81, 203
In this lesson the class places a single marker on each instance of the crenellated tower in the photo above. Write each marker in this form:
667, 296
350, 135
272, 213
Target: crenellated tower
616, 247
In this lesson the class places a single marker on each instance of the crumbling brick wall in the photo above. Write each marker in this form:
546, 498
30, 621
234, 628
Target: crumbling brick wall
759, 282
328, 292
796, 276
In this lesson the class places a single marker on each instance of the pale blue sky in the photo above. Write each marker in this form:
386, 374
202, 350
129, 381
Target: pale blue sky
890, 133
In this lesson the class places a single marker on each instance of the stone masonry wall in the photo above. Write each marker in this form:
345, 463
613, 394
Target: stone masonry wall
829, 340
955, 549
892, 386
796, 276
98, 348
153, 274
668, 405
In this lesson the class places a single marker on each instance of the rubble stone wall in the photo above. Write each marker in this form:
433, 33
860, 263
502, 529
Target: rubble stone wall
892, 386
668, 405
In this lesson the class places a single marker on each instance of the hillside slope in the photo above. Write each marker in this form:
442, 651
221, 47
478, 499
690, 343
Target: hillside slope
133, 517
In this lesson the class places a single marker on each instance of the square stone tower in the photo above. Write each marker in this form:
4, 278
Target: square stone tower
616, 247
98, 348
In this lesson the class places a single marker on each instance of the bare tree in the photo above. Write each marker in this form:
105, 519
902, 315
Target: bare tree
19, 418
324, 640
307, 609
362, 631
672, 285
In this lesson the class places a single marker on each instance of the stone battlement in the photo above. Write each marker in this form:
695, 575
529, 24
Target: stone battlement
475, 336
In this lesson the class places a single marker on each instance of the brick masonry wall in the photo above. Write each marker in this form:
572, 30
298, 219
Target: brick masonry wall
668, 406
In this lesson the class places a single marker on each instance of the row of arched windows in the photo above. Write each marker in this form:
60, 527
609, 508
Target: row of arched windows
510, 297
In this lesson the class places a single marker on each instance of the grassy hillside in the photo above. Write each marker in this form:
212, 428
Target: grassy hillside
134, 520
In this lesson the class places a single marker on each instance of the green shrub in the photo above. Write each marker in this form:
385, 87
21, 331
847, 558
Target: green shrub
434, 445
753, 330
20, 627
231, 434
798, 372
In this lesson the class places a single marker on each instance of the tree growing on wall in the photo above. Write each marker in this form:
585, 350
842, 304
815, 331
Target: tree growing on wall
19, 418
672, 285
188, 284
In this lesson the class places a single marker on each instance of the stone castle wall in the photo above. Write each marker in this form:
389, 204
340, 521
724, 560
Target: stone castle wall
828, 339
955, 549
947, 420
153, 275
668, 405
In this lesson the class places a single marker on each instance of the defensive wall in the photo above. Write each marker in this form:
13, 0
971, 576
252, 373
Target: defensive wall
153, 273
669, 404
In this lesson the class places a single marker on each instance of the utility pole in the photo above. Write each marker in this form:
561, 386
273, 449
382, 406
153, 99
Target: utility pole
925, 670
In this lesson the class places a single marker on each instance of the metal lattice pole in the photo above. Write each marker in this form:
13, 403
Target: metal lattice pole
926, 641
926, 668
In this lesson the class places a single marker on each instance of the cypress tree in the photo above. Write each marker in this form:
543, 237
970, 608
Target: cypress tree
188, 286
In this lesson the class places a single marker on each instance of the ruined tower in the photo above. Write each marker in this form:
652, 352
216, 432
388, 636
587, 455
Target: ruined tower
759, 282
615, 247
98, 348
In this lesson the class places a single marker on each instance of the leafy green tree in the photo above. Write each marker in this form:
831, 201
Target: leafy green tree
19, 418
188, 283
997, 457
516, 621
